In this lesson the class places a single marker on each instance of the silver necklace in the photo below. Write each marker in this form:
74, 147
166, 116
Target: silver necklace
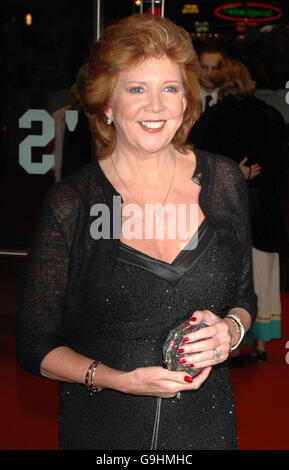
156, 218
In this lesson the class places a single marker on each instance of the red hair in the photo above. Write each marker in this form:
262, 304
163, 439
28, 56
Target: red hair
234, 78
124, 45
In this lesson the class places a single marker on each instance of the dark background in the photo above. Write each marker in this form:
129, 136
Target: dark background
38, 65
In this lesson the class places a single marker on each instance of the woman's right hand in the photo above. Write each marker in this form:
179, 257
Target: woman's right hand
66, 365
160, 382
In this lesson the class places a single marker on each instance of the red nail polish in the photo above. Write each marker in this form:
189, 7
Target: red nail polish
185, 339
188, 379
182, 360
180, 351
192, 365
193, 319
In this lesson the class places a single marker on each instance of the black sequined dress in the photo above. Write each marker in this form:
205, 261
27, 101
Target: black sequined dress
148, 298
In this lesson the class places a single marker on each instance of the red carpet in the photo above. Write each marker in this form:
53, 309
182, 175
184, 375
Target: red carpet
261, 395
29, 404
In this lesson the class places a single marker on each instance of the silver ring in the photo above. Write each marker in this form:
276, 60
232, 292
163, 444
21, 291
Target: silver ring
216, 355
178, 395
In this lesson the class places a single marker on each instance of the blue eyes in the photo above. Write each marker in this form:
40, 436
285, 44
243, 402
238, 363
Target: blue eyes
171, 89
136, 89
139, 89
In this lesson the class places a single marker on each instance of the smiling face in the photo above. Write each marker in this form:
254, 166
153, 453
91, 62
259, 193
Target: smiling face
147, 105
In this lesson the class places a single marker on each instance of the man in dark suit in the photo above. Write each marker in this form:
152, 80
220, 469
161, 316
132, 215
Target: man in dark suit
211, 58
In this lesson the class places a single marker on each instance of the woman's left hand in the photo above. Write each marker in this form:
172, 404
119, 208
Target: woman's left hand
214, 341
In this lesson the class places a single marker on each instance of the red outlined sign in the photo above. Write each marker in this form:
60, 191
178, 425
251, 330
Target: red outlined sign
251, 13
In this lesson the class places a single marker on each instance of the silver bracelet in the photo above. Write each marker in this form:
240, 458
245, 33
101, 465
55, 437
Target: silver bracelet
97, 389
240, 328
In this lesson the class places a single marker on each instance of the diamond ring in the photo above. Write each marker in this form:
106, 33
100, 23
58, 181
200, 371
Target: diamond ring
216, 355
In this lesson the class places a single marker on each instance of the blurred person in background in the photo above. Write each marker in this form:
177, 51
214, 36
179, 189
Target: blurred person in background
72, 149
211, 60
252, 133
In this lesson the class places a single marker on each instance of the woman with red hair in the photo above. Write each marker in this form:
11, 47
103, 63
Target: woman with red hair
100, 295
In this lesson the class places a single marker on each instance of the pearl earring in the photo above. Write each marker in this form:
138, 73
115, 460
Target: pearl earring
108, 121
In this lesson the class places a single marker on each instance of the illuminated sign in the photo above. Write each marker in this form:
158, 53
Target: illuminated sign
190, 9
157, 11
201, 26
249, 13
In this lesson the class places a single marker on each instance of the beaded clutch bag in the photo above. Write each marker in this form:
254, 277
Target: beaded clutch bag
173, 343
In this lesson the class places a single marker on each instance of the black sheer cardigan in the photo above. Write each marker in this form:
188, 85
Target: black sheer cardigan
67, 273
